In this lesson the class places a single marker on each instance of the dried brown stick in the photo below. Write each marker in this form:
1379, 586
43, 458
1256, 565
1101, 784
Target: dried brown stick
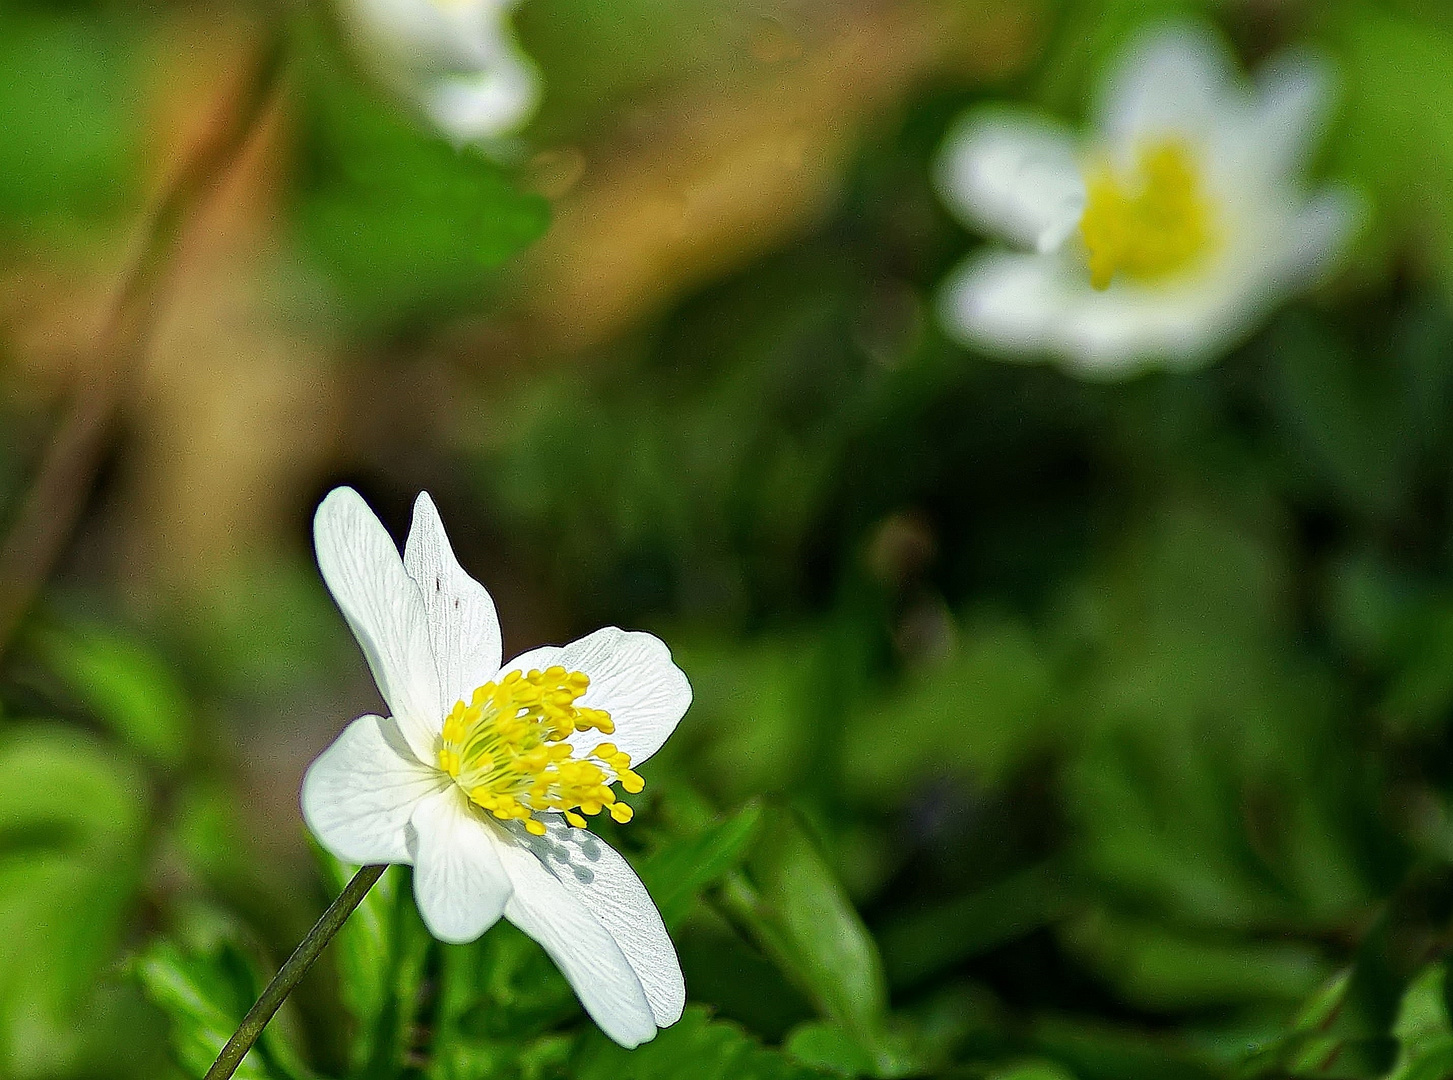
56, 497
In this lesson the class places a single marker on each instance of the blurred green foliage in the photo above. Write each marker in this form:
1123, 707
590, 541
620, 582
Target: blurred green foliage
1043, 730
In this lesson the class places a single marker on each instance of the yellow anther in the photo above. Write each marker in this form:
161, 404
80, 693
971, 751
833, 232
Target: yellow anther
621, 812
631, 781
1150, 225
509, 750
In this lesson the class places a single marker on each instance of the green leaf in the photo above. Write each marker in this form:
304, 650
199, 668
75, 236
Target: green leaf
72, 819
68, 117
127, 686
400, 220
202, 1005
990, 698
798, 911
205, 982
677, 873
696, 1047
380, 953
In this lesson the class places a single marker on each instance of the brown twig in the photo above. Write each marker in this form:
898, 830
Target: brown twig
53, 504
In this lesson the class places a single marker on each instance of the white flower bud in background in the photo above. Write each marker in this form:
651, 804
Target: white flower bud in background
457, 60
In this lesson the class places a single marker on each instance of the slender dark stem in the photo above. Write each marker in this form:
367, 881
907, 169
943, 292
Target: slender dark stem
292, 971
57, 495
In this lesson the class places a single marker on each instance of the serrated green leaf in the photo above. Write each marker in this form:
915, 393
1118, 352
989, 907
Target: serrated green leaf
204, 983
202, 1006
694, 1048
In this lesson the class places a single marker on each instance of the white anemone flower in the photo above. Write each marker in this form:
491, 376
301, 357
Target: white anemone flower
455, 59
483, 774
1162, 235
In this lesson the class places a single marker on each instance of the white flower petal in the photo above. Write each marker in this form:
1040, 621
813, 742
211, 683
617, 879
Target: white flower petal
463, 625
359, 794
458, 61
632, 677
581, 947
485, 104
385, 611
1027, 306
1015, 176
1289, 115
1174, 80
603, 883
459, 884
1319, 234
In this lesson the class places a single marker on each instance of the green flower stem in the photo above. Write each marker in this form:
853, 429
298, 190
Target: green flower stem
292, 972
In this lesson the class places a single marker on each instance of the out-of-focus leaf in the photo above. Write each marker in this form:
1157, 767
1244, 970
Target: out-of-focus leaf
126, 685
1033, 1070
799, 912
677, 873
1397, 137
891, 1053
498, 1000
926, 942
201, 1004
399, 219
205, 983
1093, 1051
1209, 772
72, 816
826, 1046
695, 1048
1156, 967
380, 953
542, 1058
68, 117
990, 703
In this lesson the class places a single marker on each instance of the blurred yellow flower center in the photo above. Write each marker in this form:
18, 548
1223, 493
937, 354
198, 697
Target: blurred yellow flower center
507, 750
1151, 224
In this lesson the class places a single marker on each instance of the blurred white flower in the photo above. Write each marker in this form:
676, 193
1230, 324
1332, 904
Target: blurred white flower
1161, 236
481, 775
455, 59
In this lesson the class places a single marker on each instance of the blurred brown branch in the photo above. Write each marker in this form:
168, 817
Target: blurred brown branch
727, 177
57, 496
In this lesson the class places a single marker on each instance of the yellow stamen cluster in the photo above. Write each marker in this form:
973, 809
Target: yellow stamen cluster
1150, 225
507, 750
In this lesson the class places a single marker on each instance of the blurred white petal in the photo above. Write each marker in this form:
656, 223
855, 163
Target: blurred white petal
1289, 115
1015, 177
1173, 80
456, 61
485, 104
1030, 306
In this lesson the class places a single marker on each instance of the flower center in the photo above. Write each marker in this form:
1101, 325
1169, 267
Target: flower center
507, 750
1150, 224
